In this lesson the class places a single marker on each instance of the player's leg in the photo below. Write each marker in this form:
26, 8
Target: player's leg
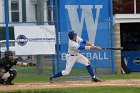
8, 77
69, 64
4, 77
2, 81
2, 74
83, 60
12, 76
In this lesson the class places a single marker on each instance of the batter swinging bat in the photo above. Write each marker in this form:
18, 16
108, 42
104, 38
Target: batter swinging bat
120, 48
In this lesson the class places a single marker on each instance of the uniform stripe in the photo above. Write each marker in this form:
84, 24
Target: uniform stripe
81, 47
83, 42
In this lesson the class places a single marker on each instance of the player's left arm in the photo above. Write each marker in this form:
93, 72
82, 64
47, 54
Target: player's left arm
88, 43
17, 62
95, 47
25, 64
92, 47
83, 47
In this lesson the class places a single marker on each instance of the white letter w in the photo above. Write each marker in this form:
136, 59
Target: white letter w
87, 16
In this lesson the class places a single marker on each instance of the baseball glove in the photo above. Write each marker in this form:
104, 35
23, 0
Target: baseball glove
31, 64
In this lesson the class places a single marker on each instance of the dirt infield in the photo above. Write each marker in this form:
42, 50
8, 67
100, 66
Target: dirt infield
65, 84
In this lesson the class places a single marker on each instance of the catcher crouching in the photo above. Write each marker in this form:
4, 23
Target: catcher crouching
7, 75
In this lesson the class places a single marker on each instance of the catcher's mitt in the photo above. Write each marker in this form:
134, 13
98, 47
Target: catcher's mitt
31, 64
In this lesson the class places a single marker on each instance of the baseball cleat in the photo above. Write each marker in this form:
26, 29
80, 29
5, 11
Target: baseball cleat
9, 83
95, 80
2, 81
51, 79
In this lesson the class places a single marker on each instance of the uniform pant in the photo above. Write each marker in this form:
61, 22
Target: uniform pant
10, 75
5, 75
71, 60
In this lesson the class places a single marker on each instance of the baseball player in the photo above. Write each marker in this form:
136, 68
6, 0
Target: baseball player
6, 73
75, 45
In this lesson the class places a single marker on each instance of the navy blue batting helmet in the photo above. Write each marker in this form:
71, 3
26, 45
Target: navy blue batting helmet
71, 34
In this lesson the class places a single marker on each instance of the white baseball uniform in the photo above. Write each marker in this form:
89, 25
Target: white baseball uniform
74, 55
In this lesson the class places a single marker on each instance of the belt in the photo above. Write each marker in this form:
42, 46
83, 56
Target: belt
72, 55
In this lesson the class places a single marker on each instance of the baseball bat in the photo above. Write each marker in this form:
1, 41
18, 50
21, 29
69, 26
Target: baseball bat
120, 48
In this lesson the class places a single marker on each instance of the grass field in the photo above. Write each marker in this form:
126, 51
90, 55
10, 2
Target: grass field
28, 75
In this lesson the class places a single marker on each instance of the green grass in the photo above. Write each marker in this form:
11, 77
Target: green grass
29, 74
101, 89
121, 76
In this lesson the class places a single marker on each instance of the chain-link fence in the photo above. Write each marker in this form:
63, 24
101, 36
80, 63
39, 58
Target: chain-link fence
25, 13
42, 12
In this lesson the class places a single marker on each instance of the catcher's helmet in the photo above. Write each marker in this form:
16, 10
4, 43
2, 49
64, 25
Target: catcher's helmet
71, 34
8, 53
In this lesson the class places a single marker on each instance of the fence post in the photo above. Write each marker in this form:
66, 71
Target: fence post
117, 53
57, 37
7, 22
40, 19
111, 34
